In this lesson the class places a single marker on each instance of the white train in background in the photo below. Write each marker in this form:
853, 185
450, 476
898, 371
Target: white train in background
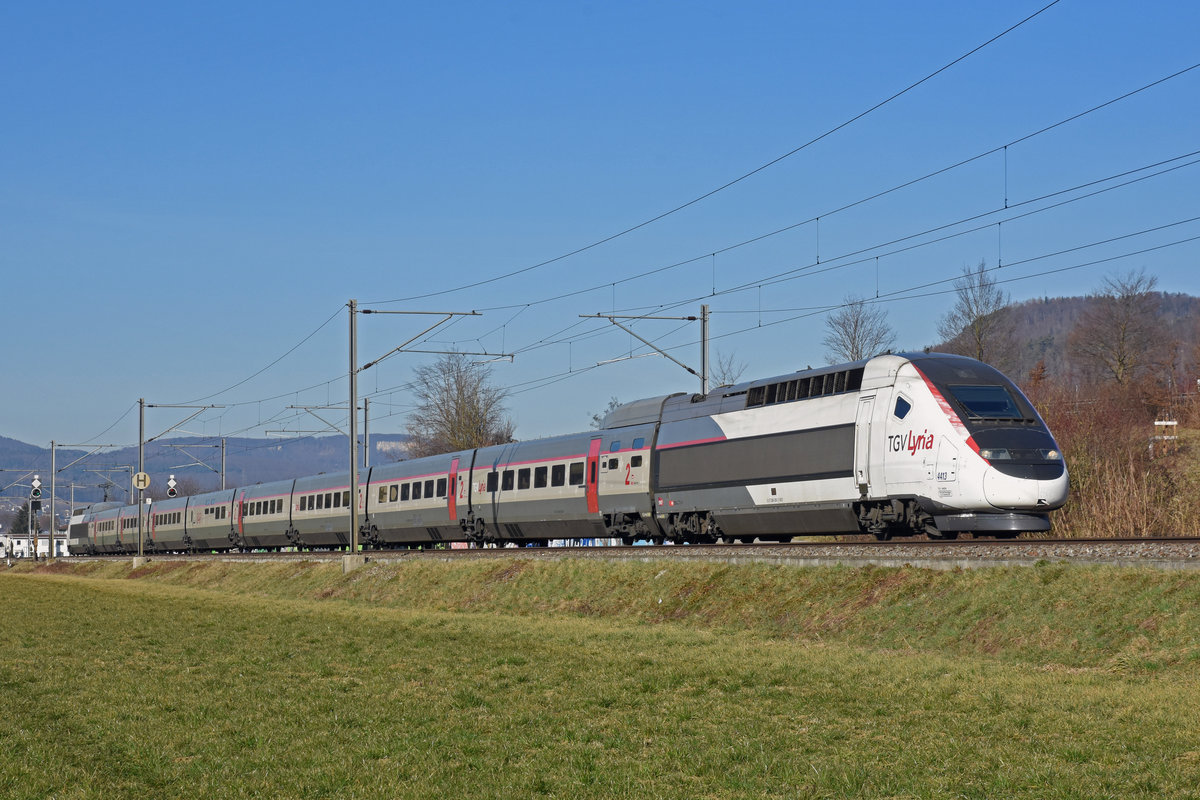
896, 445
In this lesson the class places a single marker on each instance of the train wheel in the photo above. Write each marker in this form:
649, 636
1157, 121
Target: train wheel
945, 536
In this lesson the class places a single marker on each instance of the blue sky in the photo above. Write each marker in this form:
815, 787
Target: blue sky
189, 192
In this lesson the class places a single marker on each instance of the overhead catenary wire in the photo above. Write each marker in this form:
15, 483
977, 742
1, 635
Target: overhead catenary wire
553, 339
838, 261
896, 296
854, 204
731, 183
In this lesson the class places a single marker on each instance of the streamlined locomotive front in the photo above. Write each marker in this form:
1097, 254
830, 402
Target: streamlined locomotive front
988, 462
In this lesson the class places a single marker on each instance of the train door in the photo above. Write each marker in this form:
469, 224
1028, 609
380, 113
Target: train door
862, 444
239, 503
452, 491
593, 476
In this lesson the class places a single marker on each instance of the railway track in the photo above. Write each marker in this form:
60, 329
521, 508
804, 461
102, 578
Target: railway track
1161, 552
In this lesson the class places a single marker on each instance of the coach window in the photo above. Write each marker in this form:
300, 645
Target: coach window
576, 477
539, 477
429, 488
382, 494
902, 408
441, 487
558, 475
506, 480
639, 443
493, 481
320, 502
613, 463
523, 478
404, 492
393, 492
636, 461
416, 493
346, 498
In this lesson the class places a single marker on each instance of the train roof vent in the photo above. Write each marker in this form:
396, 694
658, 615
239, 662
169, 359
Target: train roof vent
636, 412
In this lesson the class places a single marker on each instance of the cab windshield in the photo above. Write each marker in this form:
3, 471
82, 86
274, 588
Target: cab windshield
987, 402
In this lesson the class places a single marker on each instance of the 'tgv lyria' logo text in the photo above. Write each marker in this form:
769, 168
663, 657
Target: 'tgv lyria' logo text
912, 442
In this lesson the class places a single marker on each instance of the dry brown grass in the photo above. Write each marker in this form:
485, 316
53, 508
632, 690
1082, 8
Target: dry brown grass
1120, 485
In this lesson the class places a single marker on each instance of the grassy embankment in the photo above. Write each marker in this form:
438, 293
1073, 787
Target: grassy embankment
580, 679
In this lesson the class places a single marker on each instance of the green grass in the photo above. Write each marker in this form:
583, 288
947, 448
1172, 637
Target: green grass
572, 680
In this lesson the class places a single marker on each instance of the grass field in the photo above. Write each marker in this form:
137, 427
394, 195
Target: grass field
581, 680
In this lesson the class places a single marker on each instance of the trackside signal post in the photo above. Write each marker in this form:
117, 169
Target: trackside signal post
35, 505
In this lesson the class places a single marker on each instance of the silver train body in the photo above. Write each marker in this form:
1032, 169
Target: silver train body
908, 444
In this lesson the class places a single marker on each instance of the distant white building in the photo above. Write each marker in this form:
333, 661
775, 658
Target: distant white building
18, 546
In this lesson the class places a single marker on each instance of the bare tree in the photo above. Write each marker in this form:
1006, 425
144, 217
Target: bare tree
1116, 335
978, 325
598, 419
458, 408
725, 369
857, 331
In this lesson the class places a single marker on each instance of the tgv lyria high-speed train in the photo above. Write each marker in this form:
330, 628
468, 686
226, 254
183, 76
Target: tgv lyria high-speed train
907, 444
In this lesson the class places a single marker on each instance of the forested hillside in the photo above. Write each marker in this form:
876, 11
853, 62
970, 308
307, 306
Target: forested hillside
1042, 327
